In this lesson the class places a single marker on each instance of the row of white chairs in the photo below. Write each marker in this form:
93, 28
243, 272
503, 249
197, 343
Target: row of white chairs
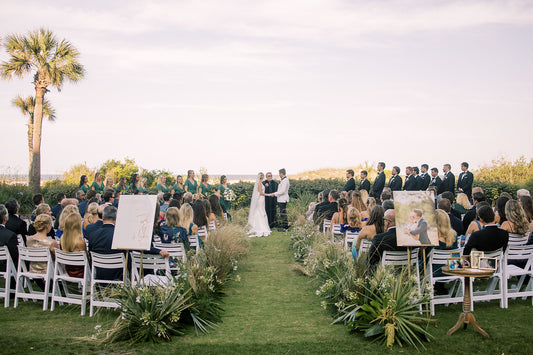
55, 274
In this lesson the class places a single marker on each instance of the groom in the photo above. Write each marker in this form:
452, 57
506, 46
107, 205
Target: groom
283, 197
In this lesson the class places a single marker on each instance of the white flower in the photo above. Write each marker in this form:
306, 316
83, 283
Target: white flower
138, 299
238, 278
97, 327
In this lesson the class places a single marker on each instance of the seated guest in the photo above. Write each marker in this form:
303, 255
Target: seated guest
8, 238
450, 196
67, 211
470, 215
204, 188
384, 241
162, 185
527, 205
14, 223
200, 218
91, 217
358, 204
43, 226
82, 207
350, 182
388, 205
517, 222
456, 223
166, 200
174, 203
116, 198
56, 210
326, 211
187, 198
209, 213
42, 209
354, 225
499, 210
72, 241
447, 241
97, 184
324, 202
364, 197
476, 224
311, 209
489, 238
522, 192
37, 200
370, 203
386, 194
340, 217
187, 220
216, 208
84, 184
134, 188
344, 195
463, 204
170, 230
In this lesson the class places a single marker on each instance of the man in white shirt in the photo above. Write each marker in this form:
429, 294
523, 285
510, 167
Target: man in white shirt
283, 197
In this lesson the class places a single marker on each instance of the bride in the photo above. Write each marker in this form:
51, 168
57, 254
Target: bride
257, 219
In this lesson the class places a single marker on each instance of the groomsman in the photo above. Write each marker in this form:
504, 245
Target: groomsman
435, 179
466, 178
448, 183
379, 183
424, 179
410, 180
270, 202
395, 182
364, 184
350, 183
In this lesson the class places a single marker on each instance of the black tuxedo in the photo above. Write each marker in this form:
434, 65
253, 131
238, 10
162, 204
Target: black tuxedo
437, 182
395, 183
92, 227
271, 203
424, 180
326, 211
350, 185
380, 243
489, 238
379, 184
100, 241
466, 179
448, 183
422, 232
17, 225
469, 216
410, 183
9, 238
457, 224
364, 185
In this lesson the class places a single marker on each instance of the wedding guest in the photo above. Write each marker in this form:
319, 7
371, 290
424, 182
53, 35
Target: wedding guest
364, 197
211, 217
499, 211
223, 187
37, 200
476, 224
97, 184
522, 192
204, 188
216, 208
72, 241
14, 223
447, 235
89, 197
43, 208
344, 195
178, 186
489, 238
122, 185
84, 183
379, 182
188, 198
517, 222
354, 225
162, 184
357, 203
200, 218
116, 198
370, 203
91, 216
384, 241
465, 181
340, 217
56, 209
364, 184
43, 227
386, 194
8, 237
375, 225
388, 205
187, 221
527, 205
190, 184
134, 182
470, 215
166, 200
67, 211
350, 182
109, 184
171, 231
457, 225
311, 209
463, 204
326, 211
174, 203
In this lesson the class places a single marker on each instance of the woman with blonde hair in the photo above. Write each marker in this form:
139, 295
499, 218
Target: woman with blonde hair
162, 184
516, 222
43, 225
186, 222
68, 210
204, 188
43, 208
463, 204
447, 236
171, 231
142, 186
364, 196
190, 184
97, 184
109, 184
72, 241
91, 216
353, 217
357, 202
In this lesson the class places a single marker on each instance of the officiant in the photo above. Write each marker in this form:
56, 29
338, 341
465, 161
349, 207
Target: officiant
271, 203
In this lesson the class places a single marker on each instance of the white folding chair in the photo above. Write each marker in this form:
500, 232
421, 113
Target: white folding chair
61, 277
495, 289
20, 240
335, 231
175, 250
154, 262
365, 245
439, 258
517, 239
403, 258
107, 262
350, 238
522, 255
212, 226
24, 288
326, 224
7, 274
202, 233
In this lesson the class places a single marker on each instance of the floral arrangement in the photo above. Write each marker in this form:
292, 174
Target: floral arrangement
229, 195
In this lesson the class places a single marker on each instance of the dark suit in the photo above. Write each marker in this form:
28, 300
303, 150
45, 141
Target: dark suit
379, 184
17, 225
92, 227
395, 183
82, 207
56, 211
9, 238
380, 243
422, 232
489, 238
437, 182
410, 183
423, 181
271, 203
448, 183
325, 211
466, 179
457, 224
364, 185
100, 241
350, 185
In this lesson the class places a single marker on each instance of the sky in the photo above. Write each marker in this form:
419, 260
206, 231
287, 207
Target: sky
238, 87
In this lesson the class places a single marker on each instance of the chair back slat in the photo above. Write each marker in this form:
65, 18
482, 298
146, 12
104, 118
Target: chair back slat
398, 258
517, 239
108, 261
365, 246
34, 254
440, 256
76, 258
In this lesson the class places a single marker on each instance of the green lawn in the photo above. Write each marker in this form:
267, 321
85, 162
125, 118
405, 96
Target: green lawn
271, 310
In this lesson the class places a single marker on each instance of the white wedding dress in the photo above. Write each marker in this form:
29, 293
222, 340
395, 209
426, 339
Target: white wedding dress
257, 218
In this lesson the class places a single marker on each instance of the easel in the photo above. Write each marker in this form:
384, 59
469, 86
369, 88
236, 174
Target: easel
125, 271
423, 247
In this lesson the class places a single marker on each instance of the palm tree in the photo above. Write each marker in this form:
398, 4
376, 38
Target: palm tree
27, 107
51, 62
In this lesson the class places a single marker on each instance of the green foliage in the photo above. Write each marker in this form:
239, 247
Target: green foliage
243, 190
51, 188
301, 187
117, 169
19, 192
152, 176
73, 175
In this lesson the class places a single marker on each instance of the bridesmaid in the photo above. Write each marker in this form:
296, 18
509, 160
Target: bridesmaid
97, 184
142, 187
109, 184
204, 188
121, 186
162, 185
190, 184
134, 186
226, 205
84, 183
178, 186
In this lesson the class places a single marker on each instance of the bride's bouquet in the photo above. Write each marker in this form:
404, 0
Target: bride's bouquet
229, 195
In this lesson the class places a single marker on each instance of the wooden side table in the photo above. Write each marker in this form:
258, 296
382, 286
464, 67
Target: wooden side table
467, 317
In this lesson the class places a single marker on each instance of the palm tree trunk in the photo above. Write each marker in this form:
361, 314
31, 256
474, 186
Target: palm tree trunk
30, 140
35, 162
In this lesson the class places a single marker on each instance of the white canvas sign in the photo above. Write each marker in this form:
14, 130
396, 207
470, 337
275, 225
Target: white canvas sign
135, 221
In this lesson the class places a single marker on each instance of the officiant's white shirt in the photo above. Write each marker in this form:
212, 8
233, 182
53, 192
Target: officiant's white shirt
283, 190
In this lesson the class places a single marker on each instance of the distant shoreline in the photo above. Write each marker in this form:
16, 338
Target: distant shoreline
23, 179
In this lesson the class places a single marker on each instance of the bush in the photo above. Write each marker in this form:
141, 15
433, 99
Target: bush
21, 193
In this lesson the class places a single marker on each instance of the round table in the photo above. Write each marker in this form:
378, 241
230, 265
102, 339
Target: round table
467, 317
